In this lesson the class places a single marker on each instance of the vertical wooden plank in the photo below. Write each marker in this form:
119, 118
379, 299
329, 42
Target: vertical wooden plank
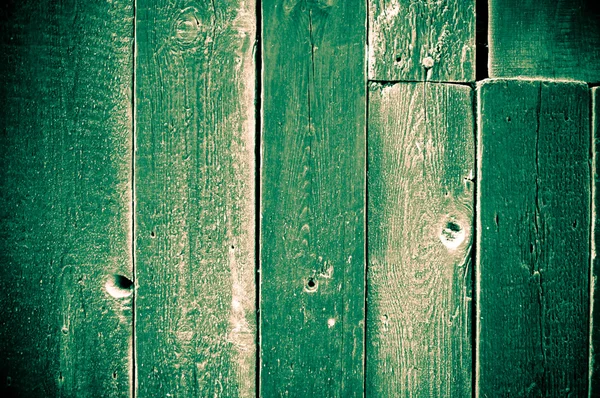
313, 183
544, 39
420, 218
422, 40
533, 238
595, 270
194, 187
65, 198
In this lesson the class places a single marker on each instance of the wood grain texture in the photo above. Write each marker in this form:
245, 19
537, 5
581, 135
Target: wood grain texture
595, 270
544, 39
533, 239
420, 217
313, 183
194, 187
422, 40
65, 198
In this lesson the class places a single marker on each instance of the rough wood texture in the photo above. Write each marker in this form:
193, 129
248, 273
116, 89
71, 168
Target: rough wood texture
533, 239
422, 40
595, 271
420, 216
313, 183
545, 39
194, 184
65, 198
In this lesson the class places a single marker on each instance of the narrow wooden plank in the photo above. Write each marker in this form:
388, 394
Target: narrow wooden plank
595, 271
544, 39
533, 238
420, 218
65, 198
422, 40
313, 183
194, 187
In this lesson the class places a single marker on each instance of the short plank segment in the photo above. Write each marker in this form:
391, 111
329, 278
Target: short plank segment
533, 239
313, 184
595, 271
65, 198
194, 187
545, 39
422, 40
420, 216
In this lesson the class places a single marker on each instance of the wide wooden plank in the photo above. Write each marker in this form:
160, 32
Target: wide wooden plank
422, 40
533, 240
194, 189
313, 183
544, 39
595, 271
65, 198
420, 218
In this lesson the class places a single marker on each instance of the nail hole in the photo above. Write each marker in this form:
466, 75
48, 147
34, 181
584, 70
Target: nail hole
152, 234
311, 285
64, 330
119, 286
398, 58
508, 119
114, 375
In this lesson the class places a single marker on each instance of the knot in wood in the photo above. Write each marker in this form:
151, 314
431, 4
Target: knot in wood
187, 26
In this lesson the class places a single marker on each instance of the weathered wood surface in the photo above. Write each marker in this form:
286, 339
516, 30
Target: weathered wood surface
595, 271
422, 40
65, 198
545, 39
194, 184
420, 217
533, 239
313, 183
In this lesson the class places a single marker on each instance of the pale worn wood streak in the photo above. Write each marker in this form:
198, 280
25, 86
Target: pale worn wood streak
595, 271
545, 39
422, 40
194, 187
313, 183
420, 217
65, 161
533, 238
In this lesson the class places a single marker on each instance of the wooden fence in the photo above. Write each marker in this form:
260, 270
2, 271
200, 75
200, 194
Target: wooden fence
316, 198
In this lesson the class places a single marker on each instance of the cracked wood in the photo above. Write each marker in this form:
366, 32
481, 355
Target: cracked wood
420, 217
595, 271
65, 198
533, 243
313, 183
194, 187
422, 40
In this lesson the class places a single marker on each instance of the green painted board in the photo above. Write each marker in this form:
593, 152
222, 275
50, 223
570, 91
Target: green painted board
422, 40
420, 222
65, 198
313, 198
595, 271
544, 39
533, 240
194, 189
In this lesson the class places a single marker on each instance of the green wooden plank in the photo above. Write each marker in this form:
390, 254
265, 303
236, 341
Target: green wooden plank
422, 40
313, 183
533, 238
420, 218
194, 188
595, 271
544, 39
65, 198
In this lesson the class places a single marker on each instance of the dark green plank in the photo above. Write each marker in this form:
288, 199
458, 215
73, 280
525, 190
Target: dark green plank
595, 271
313, 183
422, 40
544, 39
533, 239
65, 198
421, 165
194, 187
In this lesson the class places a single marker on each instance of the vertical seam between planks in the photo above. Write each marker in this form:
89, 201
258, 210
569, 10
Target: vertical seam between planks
474, 252
592, 243
366, 199
133, 207
476, 267
257, 185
